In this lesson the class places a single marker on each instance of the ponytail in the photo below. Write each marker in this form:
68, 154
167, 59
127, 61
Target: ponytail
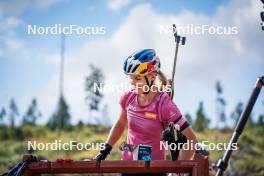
163, 79
164, 82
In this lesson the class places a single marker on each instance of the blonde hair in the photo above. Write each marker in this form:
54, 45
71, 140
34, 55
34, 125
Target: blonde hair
164, 84
162, 78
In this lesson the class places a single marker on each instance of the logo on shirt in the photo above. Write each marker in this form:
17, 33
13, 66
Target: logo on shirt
131, 107
150, 115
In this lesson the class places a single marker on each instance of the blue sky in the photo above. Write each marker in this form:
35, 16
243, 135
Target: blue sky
29, 63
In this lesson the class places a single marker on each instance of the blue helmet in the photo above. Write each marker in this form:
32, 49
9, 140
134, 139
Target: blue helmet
142, 63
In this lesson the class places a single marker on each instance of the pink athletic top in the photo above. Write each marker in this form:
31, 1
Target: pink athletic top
144, 126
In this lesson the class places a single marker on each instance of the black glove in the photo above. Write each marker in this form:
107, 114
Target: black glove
168, 135
103, 153
202, 149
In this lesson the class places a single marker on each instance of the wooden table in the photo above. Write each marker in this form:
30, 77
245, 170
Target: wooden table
198, 167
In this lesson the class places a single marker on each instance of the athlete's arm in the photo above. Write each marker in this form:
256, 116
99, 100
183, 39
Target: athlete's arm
118, 128
191, 138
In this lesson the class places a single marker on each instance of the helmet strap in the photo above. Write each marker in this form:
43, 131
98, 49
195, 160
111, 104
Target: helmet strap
150, 84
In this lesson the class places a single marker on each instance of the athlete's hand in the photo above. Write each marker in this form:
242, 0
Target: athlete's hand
103, 153
168, 136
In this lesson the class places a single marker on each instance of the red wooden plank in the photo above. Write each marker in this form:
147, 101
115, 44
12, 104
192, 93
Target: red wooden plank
199, 167
74, 167
39, 167
203, 164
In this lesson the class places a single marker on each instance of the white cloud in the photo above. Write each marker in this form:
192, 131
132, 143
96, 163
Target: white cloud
12, 22
9, 24
11, 44
116, 5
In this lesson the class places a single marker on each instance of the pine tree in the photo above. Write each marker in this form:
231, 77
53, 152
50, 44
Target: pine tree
61, 118
237, 112
32, 113
220, 104
93, 83
2, 115
201, 121
261, 116
13, 112
260, 120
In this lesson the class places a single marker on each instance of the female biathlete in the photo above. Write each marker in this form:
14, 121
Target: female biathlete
139, 110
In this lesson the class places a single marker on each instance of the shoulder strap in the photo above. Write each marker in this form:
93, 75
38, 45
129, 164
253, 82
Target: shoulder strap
162, 120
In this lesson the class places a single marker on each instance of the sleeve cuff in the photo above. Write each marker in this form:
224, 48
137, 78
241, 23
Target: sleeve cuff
184, 126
